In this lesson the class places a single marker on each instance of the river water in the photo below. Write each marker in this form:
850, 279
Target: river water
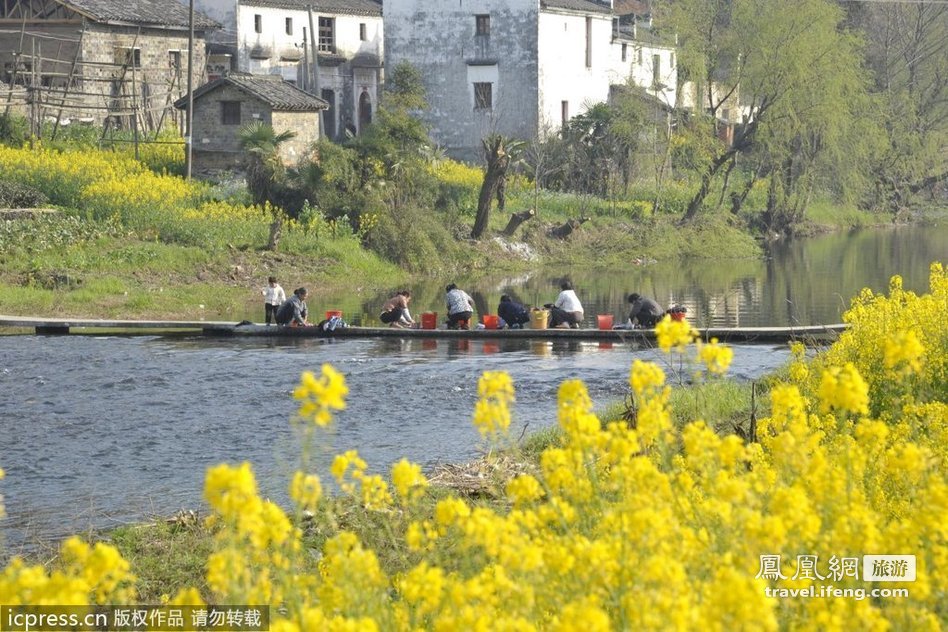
100, 431
801, 282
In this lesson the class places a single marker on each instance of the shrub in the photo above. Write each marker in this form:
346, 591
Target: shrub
17, 195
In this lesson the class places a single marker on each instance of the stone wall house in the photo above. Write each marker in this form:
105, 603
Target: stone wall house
100, 60
273, 37
222, 107
516, 67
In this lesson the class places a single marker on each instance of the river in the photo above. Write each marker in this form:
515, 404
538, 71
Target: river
97, 431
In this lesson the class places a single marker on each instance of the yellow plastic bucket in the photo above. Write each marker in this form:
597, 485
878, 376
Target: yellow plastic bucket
539, 318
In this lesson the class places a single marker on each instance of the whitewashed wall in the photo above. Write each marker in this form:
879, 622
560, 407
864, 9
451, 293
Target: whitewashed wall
640, 72
563, 75
439, 39
286, 53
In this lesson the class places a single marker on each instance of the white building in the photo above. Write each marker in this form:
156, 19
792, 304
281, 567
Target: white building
518, 67
274, 37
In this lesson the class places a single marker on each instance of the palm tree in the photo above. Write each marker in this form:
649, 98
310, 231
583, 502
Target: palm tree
266, 173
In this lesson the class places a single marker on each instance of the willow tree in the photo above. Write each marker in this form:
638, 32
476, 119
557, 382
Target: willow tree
907, 55
790, 68
266, 173
499, 152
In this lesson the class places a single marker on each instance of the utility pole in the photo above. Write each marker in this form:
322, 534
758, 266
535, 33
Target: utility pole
189, 117
314, 66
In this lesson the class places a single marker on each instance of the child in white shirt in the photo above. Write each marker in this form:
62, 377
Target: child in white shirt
273, 297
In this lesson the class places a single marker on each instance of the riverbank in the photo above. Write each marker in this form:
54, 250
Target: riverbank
69, 267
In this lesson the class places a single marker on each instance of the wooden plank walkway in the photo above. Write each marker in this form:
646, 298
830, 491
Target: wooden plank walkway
818, 333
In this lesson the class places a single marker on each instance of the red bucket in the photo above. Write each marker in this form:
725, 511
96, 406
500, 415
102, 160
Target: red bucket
333, 312
490, 321
429, 320
605, 321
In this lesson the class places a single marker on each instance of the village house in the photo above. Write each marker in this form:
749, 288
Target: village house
521, 68
99, 61
223, 106
276, 37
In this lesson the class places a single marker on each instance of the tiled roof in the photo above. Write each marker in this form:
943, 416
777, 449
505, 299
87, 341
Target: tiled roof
167, 13
341, 7
587, 6
631, 7
272, 89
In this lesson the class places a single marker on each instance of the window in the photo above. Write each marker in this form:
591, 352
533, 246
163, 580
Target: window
289, 26
362, 32
639, 60
483, 95
656, 69
482, 25
671, 62
257, 23
564, 111
589, 42
131, 56
327, 35
624, 46
174, 59
230, 112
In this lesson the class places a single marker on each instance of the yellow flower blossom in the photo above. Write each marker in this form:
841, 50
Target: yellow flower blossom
717, 358
844, 389
674, 334
408, 480
492, 411
524, 489
320, 396
904, 351
306, 490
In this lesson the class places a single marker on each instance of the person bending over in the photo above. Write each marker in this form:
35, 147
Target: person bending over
460, 307
567, 310
513, 313
643, 311
293, 311
395, 310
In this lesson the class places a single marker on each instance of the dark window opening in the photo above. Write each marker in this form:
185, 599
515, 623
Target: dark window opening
329, 115
130, 56
327, 35
656, 69
258, 23
174, 59
289, 26
589, 42
482, 25
483, 95
564, 111
230, 112
624, 46
362, 32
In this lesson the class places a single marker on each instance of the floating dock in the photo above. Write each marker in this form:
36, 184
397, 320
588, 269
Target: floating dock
63, 326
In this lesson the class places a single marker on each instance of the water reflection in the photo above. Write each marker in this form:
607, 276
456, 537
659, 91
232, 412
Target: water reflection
802, 282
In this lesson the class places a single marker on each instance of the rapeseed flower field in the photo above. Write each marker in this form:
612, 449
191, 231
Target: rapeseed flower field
624, 525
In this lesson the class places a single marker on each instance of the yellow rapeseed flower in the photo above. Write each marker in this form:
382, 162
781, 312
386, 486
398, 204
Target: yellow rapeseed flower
904, 351
492, 410
524, 489
716, 357
306, 490
645, 376
320, 396
675, 334
408, 480
844, 389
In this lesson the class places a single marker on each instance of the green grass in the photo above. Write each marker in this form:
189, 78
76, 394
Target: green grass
165, 557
